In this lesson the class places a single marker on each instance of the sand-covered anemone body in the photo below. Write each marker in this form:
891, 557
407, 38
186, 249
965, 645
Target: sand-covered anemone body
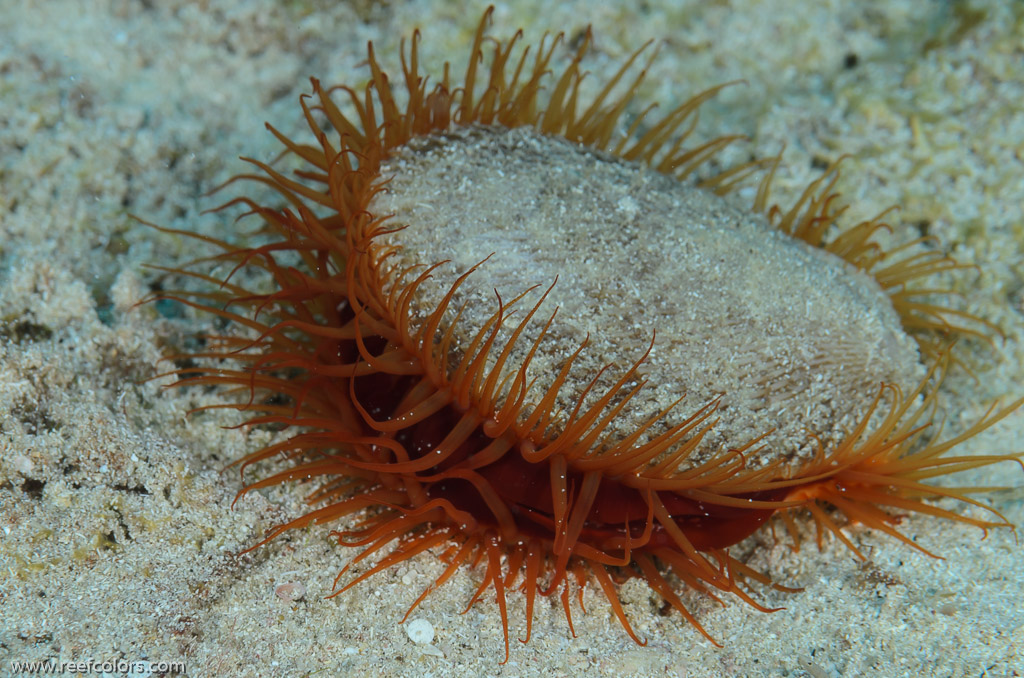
512, 328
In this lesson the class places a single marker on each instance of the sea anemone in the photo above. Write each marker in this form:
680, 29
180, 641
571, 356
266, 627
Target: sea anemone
445, 404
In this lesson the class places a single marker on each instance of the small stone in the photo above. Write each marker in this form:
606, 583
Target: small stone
420, 631
22, 464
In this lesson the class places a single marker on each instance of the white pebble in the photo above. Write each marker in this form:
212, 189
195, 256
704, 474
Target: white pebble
22, 464
420, 631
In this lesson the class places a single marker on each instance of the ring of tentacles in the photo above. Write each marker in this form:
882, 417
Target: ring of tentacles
433, 437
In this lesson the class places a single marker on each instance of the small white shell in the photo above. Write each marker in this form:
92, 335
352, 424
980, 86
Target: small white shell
290, 592
420, 631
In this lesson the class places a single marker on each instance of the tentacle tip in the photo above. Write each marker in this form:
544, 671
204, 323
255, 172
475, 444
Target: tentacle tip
239, 495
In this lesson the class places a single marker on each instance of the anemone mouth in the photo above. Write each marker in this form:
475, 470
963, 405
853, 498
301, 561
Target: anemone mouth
449, 439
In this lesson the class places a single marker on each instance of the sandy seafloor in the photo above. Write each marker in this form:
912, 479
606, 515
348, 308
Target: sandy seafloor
117, 538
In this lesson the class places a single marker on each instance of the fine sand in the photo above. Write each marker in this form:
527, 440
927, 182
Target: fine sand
117, 535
